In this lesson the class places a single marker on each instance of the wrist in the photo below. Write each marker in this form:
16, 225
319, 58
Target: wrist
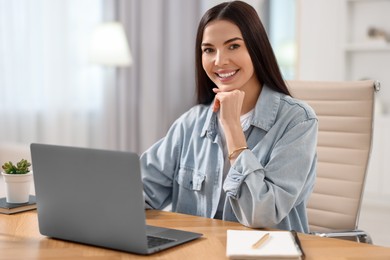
235, 152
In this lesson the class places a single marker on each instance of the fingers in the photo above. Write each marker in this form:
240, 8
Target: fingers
217, 105
220, 95
229, 97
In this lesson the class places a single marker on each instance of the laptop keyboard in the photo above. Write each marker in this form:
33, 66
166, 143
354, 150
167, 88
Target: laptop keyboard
158, 241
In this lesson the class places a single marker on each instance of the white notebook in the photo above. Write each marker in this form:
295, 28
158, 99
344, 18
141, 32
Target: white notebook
279, 245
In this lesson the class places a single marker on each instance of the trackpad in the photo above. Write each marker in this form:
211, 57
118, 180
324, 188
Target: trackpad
153, 230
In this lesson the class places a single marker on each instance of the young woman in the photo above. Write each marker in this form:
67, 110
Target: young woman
247, 151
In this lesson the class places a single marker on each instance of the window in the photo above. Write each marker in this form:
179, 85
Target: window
47, 85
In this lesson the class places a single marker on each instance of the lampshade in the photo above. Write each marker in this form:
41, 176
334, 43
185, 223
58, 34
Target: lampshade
109, 46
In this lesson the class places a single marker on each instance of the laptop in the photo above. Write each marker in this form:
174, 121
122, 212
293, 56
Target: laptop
95, 197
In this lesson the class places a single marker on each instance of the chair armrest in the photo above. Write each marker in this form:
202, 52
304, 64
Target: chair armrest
357, 235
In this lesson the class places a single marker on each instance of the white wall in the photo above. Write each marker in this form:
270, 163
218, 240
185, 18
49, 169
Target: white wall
319, 40
334, 44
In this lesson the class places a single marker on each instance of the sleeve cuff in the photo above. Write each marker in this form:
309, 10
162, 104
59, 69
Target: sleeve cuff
245, 164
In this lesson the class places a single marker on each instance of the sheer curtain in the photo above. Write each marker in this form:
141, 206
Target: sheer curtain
49, 92
160, 85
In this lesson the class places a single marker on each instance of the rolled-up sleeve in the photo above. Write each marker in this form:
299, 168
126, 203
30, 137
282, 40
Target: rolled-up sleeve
263, 191
158, 167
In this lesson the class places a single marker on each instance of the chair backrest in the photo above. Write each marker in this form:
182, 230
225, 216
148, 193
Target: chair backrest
345, 112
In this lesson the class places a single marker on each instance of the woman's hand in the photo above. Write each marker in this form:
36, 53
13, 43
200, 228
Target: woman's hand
229, 104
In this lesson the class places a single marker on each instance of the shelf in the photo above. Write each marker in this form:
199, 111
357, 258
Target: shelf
351, 1
366, 53
364, 47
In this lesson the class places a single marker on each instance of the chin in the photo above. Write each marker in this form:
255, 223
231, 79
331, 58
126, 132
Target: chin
226, 88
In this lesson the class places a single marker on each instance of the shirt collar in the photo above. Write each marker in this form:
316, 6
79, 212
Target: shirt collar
266, 108
210, 125
264, 117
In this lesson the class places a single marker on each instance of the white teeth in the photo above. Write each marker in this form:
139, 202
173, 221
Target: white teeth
225, 75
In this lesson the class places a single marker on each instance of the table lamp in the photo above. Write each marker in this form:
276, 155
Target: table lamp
109, 46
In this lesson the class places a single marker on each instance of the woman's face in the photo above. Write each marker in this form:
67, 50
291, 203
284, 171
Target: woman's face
225, 57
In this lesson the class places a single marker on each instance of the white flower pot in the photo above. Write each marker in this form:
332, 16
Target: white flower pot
17, 187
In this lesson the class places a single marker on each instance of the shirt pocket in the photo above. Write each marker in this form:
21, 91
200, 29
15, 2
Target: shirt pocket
190, 179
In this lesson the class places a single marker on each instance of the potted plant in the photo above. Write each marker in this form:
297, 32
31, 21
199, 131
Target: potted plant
17, 178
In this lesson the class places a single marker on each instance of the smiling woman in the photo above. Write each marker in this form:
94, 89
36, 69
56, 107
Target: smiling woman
247, 151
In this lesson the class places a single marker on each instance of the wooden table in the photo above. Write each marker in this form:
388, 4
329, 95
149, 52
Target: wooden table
20, 239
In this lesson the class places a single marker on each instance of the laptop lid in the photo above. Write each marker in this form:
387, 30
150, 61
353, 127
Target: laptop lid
94, 197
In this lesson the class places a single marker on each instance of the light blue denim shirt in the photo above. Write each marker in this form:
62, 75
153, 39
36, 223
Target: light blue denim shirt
267, 186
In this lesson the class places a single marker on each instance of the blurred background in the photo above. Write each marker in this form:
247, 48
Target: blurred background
115, 74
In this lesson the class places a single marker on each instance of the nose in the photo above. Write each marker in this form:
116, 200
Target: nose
221, 58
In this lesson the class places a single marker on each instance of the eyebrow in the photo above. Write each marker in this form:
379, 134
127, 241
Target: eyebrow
226, 42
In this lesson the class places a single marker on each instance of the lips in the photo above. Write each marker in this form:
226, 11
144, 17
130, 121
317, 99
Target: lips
226, 75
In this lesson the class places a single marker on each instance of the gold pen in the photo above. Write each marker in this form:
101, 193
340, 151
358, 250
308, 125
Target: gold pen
260, 241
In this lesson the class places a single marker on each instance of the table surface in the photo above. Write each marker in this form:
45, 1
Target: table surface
20, 239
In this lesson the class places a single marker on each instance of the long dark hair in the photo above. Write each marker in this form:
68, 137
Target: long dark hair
255, 37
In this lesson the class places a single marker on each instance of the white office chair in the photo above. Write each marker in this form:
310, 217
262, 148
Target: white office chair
345, 112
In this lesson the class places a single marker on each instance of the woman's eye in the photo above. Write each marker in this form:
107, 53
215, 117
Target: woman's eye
234, 46
207, 50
